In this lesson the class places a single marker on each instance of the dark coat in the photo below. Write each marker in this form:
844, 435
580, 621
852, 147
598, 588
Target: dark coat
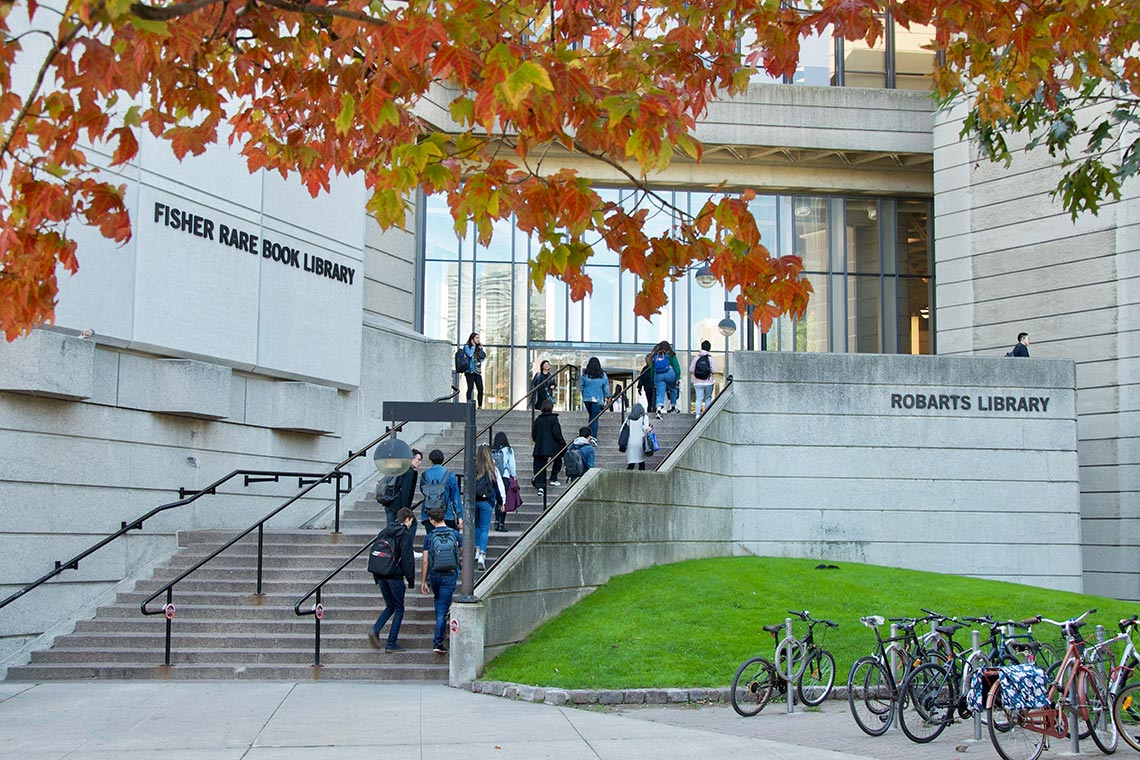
1020, 349
406, 488
546, 432
404, 540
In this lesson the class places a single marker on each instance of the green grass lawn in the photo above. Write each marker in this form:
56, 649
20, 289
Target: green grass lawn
693, 623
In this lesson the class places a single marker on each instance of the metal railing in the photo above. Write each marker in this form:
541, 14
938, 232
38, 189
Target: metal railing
545, 510
168, 609
317, 610
185, 496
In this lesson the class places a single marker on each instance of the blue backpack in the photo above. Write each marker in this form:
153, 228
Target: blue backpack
661, 363
443, 551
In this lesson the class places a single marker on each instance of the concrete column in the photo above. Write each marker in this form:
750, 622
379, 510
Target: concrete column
468, 634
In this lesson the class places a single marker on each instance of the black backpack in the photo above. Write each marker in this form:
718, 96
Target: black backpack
388, 489
384, 556
484, 487
574, 463
702, 370
443, 550
462, 361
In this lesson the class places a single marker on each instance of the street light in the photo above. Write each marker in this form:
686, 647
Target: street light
705, 277
727, 327
392, 457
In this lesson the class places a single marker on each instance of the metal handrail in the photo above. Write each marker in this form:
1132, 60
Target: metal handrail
169, 610
534, 525
318, 608
185, 496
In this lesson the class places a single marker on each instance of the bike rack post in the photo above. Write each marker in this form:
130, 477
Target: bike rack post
893, 663
1100, 660
975, 645
788, 664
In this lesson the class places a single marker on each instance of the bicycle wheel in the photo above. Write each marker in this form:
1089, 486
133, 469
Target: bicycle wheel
870, 696
1098, 717
817, 677
791, 657
1010, 737
752, 686
927, 699
1126, 715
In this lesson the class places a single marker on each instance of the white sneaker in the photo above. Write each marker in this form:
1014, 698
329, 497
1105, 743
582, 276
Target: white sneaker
418, 555
556, 482
482, 560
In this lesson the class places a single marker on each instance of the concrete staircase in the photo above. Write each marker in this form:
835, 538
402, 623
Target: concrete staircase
222, 630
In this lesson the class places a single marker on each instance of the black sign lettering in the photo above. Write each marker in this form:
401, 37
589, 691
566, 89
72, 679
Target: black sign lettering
955, 402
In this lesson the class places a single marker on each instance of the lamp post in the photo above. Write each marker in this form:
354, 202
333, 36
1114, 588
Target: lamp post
730, 326
395, 461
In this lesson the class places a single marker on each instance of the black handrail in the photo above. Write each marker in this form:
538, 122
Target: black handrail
533, 525
168, 609
185, 496
318, 608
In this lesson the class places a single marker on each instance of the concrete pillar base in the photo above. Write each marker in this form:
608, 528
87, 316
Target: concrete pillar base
468, 635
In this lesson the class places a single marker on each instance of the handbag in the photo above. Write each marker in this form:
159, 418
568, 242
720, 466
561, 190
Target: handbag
514, 496
649, 443
623, 437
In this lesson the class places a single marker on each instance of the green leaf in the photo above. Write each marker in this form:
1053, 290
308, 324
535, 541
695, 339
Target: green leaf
462, 110
157, 28
347, 112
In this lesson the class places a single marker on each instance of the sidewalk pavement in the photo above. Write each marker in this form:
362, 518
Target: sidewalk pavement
229, 720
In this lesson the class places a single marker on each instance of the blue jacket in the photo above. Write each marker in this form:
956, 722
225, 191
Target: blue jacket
586, 450
453, 502
594, 388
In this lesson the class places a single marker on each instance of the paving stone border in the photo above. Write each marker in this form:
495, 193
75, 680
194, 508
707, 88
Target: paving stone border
553, 696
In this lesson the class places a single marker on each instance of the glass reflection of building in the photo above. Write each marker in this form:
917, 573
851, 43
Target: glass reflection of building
868, 259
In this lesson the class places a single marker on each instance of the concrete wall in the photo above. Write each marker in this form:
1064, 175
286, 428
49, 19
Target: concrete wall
1009, 259
92, 435
828, 467
824, 456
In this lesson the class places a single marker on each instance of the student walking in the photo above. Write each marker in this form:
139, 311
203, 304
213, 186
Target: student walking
638, 428
546, 433
666, 377
489, 496
702, 370
474, 374
504, 457
440, 572
647, 383
1021, 348
391, 568
595, 389
440, 488
542, 385
580, 454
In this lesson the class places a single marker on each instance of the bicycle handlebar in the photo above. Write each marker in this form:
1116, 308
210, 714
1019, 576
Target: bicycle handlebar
1128, 623
1080, 618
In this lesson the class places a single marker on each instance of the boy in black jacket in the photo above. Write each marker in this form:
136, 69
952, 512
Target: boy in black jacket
392, 587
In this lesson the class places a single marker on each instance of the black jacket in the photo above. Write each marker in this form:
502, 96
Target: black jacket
403, 540
406, 488
1019, 349
546, 432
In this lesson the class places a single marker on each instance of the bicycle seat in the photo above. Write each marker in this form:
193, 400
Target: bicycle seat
949, 629
872, 621
774, 629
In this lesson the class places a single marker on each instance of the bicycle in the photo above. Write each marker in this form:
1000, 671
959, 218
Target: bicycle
873, 683
811, 667
1125, 699
1022, 732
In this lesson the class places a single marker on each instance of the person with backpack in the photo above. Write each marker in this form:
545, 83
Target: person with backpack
489, 496
394, 492
542, 385
440, 575
647, 384
666, 376
392, 562
440, 489
702, 369
579, 457
504, 457
639, 427
595, 389
1021, 348
474, 370
546, 432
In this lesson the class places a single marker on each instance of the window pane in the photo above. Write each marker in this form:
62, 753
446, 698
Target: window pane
863, 323
440, 240
521, 304
914, 66
602, 254
763, 208
499, 249
914, 238
914, 316
814, 66
811, 332
865, 66
493, 303
548, 312
862, 237
601, 308
811, 233
440, 285
496, 377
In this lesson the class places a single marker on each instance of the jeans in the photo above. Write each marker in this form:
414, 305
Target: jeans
704, 397
474, 380
483, 512
666, 383
393, 591
442, 588
593, 409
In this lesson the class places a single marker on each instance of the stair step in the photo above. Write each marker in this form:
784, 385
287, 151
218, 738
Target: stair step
408, 671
